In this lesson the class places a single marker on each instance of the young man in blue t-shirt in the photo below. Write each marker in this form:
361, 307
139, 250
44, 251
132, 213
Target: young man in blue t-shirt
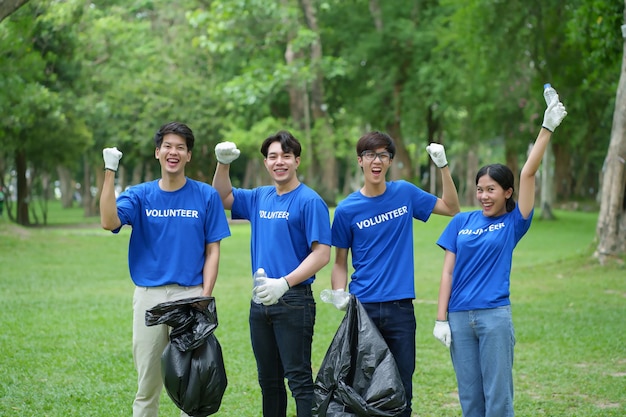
174, 249
291, 240
376, 224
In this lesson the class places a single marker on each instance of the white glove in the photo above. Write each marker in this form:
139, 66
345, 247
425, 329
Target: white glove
437, 154
226, 152
442, 332
340, 299
269, 290
554, 114
111, 158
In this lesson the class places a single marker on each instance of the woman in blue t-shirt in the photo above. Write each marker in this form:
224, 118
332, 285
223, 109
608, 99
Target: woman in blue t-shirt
474, 315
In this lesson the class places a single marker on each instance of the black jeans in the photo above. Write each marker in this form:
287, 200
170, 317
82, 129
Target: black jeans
281, 336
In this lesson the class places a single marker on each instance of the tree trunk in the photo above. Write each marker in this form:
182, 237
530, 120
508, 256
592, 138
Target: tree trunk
376, 15
67, 186
471, 169
299, 107
46, 186
89, 202
511, 161
298, 99
352, 176
22, 188
136, 176
99, 183
611, 227
434, 136
256, 175
7, 7
326, 147
547, 181
565, 185
402, 165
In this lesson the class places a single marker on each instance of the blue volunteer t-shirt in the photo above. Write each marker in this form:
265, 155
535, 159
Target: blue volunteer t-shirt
284, 227
484, 254
379, 232
170, 231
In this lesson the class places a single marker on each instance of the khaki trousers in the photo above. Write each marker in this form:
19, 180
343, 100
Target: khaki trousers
149, 343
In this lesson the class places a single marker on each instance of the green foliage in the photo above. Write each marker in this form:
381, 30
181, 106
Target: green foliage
249, 140
37, 101
77, 77
595, 29
143, 73
503, 52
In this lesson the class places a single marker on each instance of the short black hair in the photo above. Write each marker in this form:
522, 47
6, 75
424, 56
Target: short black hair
288, 143
374, 140
175, 128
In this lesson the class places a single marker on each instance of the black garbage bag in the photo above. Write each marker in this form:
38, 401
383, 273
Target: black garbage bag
358, 376
192, 364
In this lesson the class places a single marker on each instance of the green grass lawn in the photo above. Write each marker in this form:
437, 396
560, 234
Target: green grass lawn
66, 323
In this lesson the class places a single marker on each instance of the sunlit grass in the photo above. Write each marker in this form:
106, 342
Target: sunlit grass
66, 320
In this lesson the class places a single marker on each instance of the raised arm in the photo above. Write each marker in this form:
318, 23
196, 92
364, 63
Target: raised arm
225, 152
448, 204
553, 116
221, 182
108, 205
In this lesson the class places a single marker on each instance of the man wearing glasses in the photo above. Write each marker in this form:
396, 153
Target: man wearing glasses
376, 223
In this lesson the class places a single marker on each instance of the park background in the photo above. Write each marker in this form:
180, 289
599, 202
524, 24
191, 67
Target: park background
78, 76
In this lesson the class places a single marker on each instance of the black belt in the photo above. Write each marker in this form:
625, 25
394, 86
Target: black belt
302, 287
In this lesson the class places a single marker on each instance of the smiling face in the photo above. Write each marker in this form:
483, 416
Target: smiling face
491, 196
375, 151
282, 166
173, 155
375, 169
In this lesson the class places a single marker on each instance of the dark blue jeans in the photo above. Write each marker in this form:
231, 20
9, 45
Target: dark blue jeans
396, 322
281, 336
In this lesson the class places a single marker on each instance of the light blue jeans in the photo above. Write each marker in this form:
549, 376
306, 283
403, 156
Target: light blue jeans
482, 356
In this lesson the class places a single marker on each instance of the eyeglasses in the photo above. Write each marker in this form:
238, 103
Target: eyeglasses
371, 156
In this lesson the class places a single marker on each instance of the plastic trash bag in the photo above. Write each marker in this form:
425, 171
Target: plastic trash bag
191, 364
358, 376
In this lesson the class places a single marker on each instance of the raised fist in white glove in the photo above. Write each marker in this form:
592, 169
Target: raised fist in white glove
269, 290
442, 332
554, 114
226, 152
437, 154
111, 158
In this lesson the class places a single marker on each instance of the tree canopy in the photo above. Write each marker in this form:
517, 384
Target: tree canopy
78, 76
